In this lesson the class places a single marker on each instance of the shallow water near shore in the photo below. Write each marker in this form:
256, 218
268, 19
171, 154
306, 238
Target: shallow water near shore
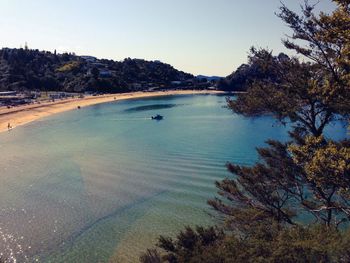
100, 184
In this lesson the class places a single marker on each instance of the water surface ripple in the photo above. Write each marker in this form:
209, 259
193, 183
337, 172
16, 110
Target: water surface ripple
102, 183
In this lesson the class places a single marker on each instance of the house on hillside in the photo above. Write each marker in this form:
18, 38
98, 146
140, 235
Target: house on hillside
136, 86
8, 93
58, 95
176, 83
105, 73
12, 98
89, 59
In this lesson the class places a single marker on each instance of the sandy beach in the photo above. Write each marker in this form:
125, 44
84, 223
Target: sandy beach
21, 115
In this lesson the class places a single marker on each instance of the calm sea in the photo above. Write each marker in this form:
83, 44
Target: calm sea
100, 184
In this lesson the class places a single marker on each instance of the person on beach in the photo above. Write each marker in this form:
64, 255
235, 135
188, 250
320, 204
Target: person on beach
9, 126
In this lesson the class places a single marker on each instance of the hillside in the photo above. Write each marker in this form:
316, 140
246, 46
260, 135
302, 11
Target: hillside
245, 74
25, 69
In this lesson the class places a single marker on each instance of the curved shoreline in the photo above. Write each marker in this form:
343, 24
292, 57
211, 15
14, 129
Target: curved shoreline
21, 115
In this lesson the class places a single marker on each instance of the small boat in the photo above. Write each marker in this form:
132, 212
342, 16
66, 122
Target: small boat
157, 117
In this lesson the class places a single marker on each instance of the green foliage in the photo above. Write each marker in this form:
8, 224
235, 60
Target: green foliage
69, 66
24, 69
311, 178
320, 157
308, 94
298, 93
247, 74
189, 245
309, 175
264, 243
151, 256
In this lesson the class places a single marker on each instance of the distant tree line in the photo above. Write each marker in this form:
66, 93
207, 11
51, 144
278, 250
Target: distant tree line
26, 69
246, 74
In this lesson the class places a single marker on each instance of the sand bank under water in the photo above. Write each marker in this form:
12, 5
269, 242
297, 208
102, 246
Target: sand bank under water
21, 115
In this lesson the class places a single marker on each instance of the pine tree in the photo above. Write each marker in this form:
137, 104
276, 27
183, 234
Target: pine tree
308, 176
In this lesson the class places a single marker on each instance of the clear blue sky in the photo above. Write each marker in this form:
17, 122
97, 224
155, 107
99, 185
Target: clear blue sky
210, 37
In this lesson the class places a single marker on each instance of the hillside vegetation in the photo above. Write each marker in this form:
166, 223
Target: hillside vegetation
26, 69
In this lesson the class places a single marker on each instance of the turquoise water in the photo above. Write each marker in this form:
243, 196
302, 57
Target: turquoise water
100, 184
